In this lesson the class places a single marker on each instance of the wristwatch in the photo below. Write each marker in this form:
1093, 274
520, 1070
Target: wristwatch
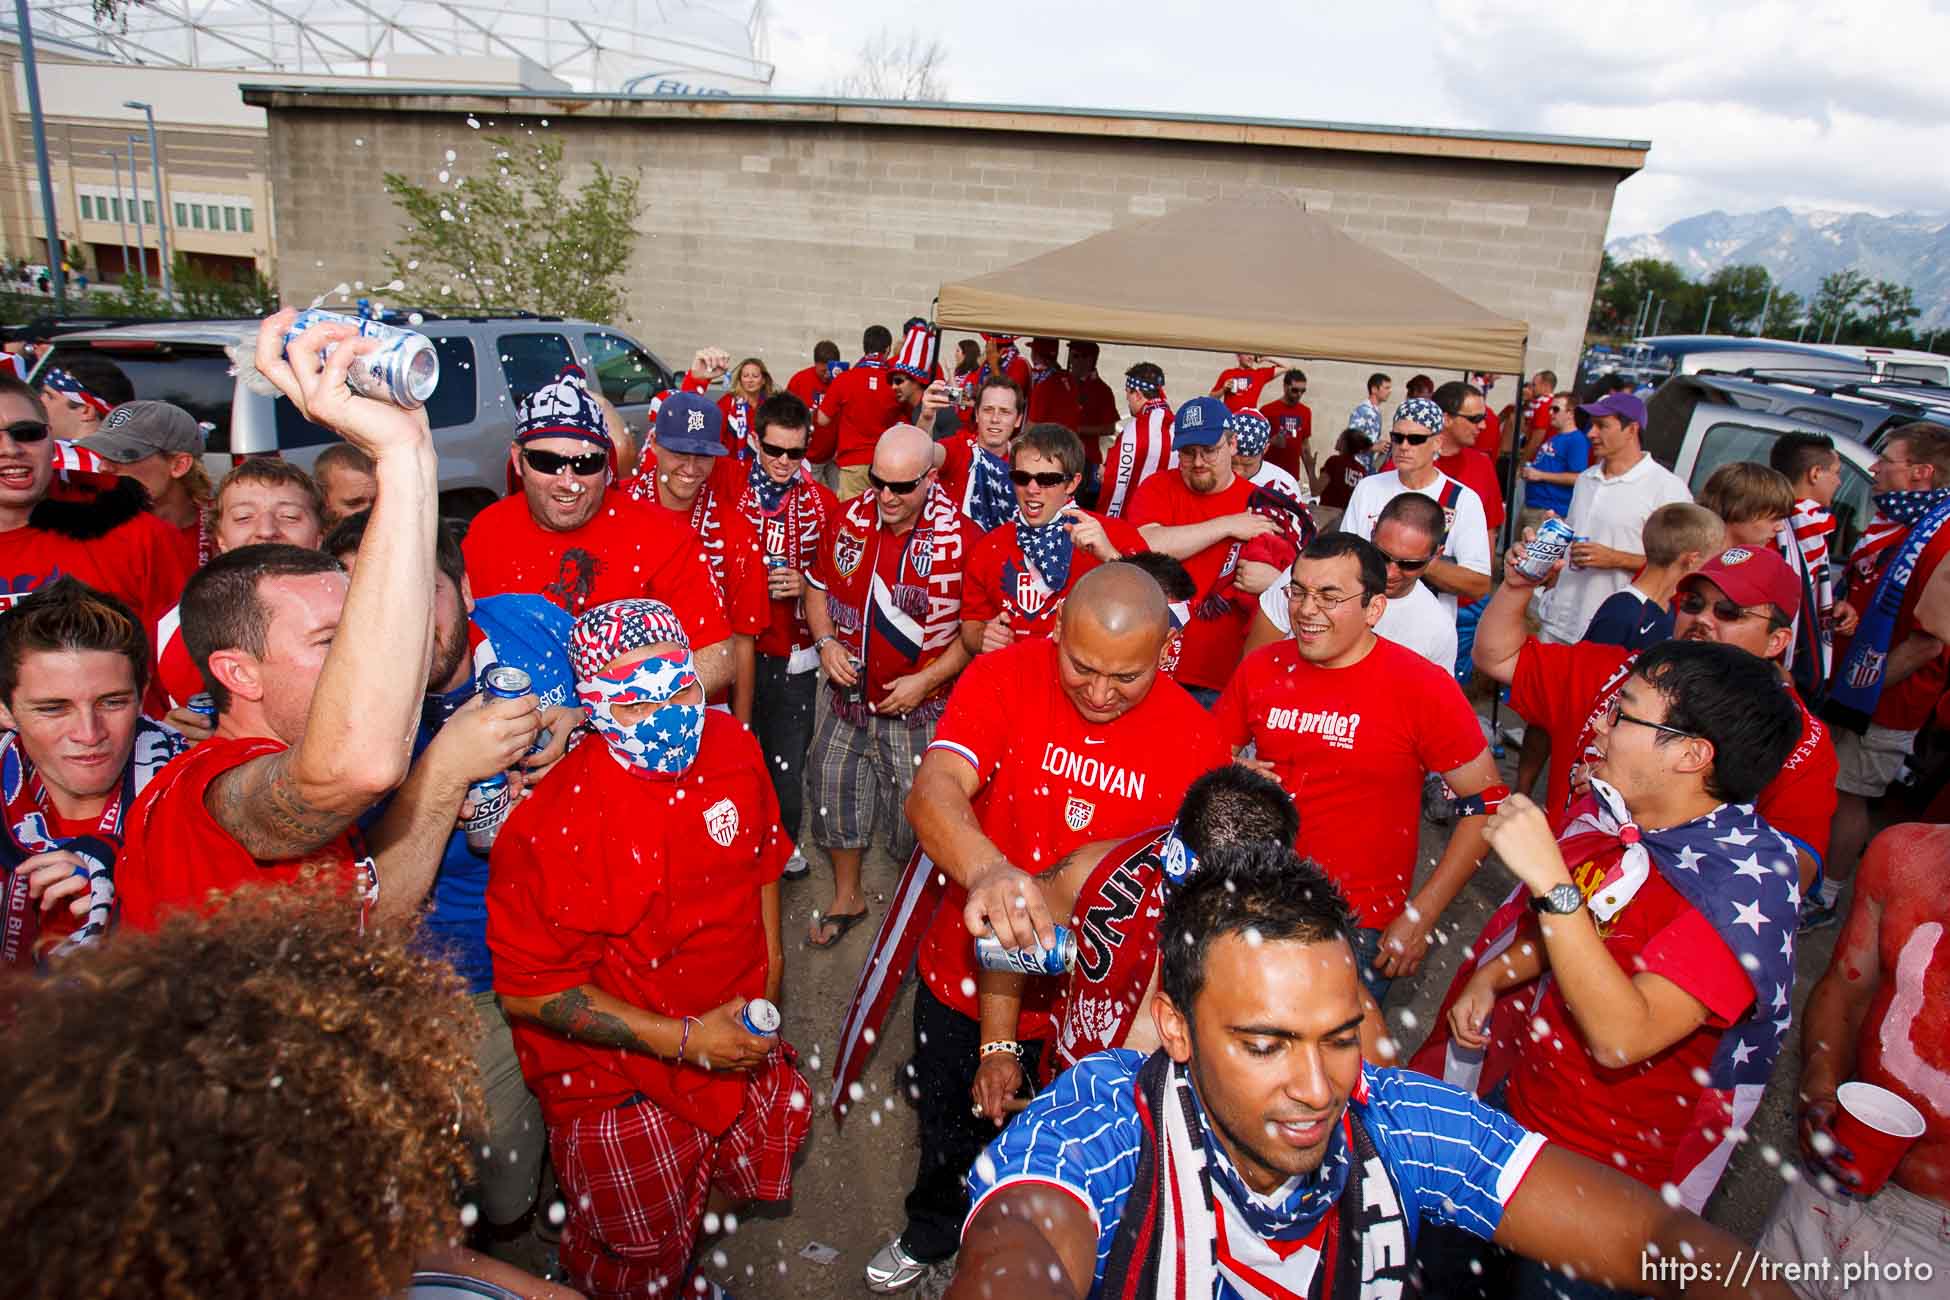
1559, 900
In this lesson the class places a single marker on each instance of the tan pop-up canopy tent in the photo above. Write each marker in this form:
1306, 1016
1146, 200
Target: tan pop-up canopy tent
1257, 273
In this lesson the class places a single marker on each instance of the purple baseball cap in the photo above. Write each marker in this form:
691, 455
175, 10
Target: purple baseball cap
1624, 407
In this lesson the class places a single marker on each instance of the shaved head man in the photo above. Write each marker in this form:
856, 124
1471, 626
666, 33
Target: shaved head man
1047, 745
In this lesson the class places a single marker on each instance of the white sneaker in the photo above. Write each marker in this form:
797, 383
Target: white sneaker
893, 1269
796, 866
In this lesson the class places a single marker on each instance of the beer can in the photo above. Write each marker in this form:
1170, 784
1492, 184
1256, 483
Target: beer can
491, 799
204, 703
507, 682
1553, 543
760, 1017
404, 371
1033, 960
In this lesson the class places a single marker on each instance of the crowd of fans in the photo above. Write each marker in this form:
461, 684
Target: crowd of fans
365, 869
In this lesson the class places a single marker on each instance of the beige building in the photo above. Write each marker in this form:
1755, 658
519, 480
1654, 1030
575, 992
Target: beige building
770, 222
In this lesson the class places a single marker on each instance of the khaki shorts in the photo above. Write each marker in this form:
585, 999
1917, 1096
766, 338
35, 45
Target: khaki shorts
853, 481
1896, 1229
1870, 762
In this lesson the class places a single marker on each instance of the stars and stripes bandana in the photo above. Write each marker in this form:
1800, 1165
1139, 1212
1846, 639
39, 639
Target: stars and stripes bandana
57, 380
666, 742
1047, 548
1422, 411
1251, 431
1861, 675
1737, 872
769, 495
1144, 386
991, 497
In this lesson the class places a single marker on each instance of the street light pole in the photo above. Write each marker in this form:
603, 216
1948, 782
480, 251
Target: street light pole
141, 243
162, 208
115, 159
54, 275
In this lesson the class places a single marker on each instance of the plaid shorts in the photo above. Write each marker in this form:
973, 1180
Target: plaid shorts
636, 1177
858, 778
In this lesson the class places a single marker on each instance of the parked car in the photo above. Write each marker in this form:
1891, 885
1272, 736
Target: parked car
488, 364
1697, 423
1899, 363
1662, 355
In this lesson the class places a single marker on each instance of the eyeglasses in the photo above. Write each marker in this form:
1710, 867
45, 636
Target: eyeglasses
1477, 418
793, 453
1412, 439
899, 488
1724, 609
1891, 460
552, 462
1407, 566
1616, 714
1048, 478
27, 431
1301, 595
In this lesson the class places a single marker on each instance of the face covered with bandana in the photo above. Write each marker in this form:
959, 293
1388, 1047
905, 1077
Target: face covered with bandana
635, 674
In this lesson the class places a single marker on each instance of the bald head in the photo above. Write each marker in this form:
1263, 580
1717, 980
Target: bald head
903, 452
1118, 600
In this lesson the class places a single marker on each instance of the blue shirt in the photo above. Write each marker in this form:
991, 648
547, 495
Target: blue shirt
1628, 619
526, 632
1453, 1159
1562, 453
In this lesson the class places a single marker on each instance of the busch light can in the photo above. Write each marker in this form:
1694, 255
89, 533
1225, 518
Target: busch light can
204, 703
760, 1017
491, 799
1553, 543
404, 371
507, 682
1033, 960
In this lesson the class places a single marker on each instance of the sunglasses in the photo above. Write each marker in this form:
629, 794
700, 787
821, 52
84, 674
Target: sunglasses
1406, 566
1724, 609
793, 453
552, 462
1413, 439
27, 431
1048, 478
1478, 418
899, 488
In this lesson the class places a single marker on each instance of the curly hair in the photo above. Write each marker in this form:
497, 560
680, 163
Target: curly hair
257, 1101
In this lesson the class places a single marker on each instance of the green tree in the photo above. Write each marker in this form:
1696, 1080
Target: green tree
1623, 288
1785, 312
508, 238
1835, 302
1739, 294
1890, 307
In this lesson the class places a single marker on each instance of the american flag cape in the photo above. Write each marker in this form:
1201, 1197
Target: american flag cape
1740, 874
915, 899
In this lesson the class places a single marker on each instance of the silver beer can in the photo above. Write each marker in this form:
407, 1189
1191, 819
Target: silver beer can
1033, 960
404, 371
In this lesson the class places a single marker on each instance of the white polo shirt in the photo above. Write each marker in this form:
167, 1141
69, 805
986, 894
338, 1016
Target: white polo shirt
1611, 511
1469, 532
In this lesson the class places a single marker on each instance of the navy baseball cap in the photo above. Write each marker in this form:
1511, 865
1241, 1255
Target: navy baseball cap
1624, 407
690, 426
1200, 422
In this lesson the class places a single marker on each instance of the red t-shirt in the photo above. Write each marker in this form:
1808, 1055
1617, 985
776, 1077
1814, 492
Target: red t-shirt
1053, 786
1908, 704
1053, 400
1351, 746
999, 578
1100, 412
648, 888
862, 405
809, 386
1631, 1119
177, 856
176, 674
791, 534
1337, 479
1566, 688
1477, 472
1239, 388
1212, 645
1293, 425
628, 549
189, 545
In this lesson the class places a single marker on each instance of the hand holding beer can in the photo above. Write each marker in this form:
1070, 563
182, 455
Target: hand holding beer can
990, 954
760, 1017
404, 371
1541, 553
507, 682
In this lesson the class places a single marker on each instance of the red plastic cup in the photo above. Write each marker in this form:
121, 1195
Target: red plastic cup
1876, 1127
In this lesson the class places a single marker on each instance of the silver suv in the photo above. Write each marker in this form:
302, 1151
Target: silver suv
487, 365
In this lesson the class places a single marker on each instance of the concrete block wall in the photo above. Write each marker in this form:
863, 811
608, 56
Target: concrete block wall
764, 237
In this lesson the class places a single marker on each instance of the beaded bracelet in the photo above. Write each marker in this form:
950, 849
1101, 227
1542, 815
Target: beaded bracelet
685, 1041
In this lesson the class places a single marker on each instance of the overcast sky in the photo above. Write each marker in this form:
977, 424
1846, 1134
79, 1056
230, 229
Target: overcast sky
1748, 104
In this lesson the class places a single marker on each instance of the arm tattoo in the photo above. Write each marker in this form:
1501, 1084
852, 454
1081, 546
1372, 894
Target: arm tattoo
261, 806
572, 1015
1062, 862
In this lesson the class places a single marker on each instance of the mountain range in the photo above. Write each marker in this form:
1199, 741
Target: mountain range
1798, 248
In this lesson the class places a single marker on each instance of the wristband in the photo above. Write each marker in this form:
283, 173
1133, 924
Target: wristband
685, 1041
999, 1046
1487, 800
821, 641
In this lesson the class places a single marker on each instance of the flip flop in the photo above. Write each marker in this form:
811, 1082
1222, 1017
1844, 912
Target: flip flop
844, 920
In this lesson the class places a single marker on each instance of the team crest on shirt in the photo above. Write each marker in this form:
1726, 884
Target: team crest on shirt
923, 561
1078, 812
848, 550
721, 822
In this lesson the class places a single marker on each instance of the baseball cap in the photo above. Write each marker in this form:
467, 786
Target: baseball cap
1627, 408
1752, 575
690, 426
1200, 422
135, 430
563, 408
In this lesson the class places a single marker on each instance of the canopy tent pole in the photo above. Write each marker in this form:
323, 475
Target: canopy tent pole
1510, 480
